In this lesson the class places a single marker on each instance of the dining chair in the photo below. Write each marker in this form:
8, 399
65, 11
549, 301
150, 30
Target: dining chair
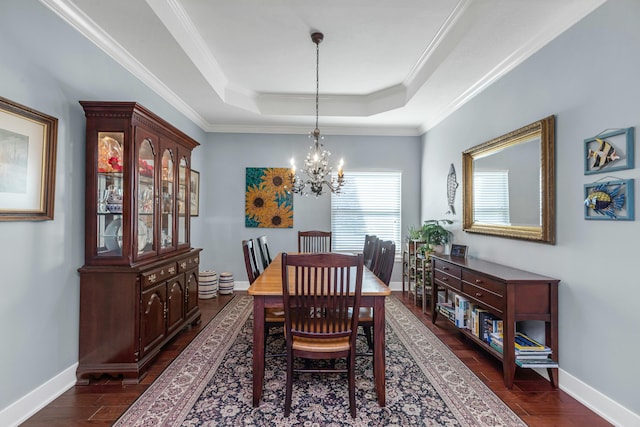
314, 241
250, 261
385, 261
319, 291
375, 252
263, 249
383, 269
273, 317
367, 249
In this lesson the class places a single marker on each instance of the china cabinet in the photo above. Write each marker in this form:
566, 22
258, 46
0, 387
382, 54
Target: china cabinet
139, 283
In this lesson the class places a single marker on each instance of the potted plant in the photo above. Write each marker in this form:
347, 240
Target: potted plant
414, 233
435, 234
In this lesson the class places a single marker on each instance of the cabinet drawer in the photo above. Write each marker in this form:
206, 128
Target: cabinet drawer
158, 275
188, 263
445, 279
483, 282
450, 269
484, 296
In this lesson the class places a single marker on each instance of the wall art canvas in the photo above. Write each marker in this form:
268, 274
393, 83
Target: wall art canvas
610, 151
267, 203
611, 200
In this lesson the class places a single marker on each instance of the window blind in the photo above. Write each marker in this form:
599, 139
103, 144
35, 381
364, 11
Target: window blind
491, 197
370, 203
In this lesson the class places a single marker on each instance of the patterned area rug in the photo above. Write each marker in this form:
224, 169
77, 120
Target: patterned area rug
209, 383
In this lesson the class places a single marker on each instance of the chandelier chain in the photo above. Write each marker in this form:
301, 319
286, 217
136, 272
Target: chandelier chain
316, 165
317, 81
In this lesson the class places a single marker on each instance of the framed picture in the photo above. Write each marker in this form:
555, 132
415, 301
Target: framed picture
611, 200
459, 251
267, 202
28, 142
611, 151
194, 187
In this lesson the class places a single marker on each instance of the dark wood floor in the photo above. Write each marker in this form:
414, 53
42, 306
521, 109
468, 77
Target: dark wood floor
532, 397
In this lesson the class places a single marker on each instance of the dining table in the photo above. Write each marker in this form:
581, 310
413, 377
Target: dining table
267, 293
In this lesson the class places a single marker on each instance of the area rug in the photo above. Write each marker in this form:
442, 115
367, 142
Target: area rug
210, 383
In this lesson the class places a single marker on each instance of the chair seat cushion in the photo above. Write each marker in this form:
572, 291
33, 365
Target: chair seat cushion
273, 315
320, 345
365, 314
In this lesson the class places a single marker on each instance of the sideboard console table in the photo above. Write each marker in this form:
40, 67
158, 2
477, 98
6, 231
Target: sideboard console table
508, 293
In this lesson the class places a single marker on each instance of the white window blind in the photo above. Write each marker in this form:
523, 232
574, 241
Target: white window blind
369, 203
491, 197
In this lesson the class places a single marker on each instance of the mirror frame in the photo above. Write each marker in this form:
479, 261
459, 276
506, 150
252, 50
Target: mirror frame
545, 233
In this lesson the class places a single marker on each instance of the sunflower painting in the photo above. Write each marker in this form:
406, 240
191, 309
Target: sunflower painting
267, 204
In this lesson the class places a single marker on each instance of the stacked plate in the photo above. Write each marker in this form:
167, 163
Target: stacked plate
208, 284
226, 283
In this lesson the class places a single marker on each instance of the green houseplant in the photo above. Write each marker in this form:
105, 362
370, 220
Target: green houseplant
435, 234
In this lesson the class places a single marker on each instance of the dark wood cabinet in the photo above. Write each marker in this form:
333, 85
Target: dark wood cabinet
512, 295
139, 283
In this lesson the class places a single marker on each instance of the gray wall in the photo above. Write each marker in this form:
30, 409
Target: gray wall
48, 66
588, 79
222, 162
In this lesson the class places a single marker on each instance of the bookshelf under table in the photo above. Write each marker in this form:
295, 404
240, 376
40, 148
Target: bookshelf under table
508, 293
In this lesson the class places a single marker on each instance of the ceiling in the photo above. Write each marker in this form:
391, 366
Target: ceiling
393, 67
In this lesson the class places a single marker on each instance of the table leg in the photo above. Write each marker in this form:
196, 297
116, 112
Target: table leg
378, 349
258, 348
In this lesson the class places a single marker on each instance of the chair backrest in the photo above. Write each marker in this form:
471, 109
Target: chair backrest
263, 248
367, 250
314, 241
375, 252
386, 259
250, 260
319, 291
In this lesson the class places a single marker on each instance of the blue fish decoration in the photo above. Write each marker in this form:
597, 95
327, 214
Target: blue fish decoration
605, 201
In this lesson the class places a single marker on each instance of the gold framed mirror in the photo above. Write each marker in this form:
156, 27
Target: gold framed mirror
509, 184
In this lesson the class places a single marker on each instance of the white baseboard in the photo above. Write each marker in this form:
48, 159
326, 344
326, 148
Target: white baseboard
602, 405
20, 410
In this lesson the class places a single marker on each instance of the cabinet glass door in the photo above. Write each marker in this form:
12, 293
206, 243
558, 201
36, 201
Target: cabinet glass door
110, 197
167, 200
146, 192
182, 202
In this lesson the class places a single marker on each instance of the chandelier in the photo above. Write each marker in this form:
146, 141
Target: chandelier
316, 171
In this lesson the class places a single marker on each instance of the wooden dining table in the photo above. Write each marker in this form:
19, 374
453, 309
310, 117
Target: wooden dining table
267, 293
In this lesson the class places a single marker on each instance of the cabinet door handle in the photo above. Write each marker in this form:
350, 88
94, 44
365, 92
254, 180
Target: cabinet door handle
478, 281
478, 294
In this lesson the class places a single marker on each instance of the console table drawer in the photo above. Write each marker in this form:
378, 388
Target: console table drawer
157, 275
484, 296
445, 279
450, 269
483, 282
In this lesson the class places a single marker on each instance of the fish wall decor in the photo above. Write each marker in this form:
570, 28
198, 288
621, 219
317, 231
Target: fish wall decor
604, 154
452, 186
609, 200
610, 150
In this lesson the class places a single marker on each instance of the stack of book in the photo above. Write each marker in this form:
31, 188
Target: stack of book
446, 309
529, 353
